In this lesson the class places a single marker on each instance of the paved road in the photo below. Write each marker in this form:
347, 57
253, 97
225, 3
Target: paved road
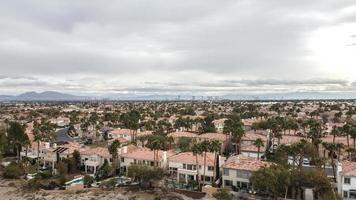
62, 136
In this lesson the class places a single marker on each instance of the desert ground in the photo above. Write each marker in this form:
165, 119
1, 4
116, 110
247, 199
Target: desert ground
12, 190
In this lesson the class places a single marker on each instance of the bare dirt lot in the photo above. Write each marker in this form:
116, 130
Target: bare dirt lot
11, 190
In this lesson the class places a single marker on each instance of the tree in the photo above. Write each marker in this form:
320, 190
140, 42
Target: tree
258, 143
88, 180
17, 137
197, 150
155, 143
215, 147
76, 159
43, 131
13, 170
223, 194
352, 134
184, 144
207, 125
234, 126
103, 171
3, 142
114, 154
205, 147
145, 174
274, 180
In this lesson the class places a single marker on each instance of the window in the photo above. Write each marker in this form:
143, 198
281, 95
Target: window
346, 194
226, 172
352, 194
347, 181
243, 174
122, 159
190, 167
184, 166
210, 168
228, 183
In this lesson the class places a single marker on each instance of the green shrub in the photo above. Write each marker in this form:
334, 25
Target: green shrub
13, 171
222, 194
88, 180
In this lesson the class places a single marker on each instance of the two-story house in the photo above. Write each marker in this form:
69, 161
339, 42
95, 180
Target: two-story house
183, 167
131, 155
346, 179
94, 158
238, 169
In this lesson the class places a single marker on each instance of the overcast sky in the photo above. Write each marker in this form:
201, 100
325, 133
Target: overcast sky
203, 47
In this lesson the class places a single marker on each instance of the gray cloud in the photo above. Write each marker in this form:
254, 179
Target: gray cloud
199, 45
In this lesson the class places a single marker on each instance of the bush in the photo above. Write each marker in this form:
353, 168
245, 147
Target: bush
110, 184
44, 175
13, 171
88, 180
145, 174
222, 194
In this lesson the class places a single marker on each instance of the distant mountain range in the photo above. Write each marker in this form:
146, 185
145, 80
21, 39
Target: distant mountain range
57, 96
43, 96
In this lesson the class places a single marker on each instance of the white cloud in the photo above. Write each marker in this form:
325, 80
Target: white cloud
199, 45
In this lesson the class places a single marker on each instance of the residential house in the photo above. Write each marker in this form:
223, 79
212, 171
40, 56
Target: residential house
346, 179
94, 158
238, 169
183, 167
131, 154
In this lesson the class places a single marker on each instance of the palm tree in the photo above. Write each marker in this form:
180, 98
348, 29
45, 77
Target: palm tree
155, 143
197, 150
205, 145
339, 147
114, 153
335, 132
258, 143
332, 148
346, 129
353, 135
215, 147
170, 141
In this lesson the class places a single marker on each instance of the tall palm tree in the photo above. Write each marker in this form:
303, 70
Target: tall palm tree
352, 134
197, 151
339, 147
335, 132
205, 147
258, 143
215, 147
114, 154
155, 144
346, 129
170, 141
332, 148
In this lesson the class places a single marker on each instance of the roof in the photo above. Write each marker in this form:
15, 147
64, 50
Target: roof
252, 148
290, 139
348, 168
213, 136
253, 135
179, 134
144, 154
122, 131
100, 151
241, 162
190, 158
